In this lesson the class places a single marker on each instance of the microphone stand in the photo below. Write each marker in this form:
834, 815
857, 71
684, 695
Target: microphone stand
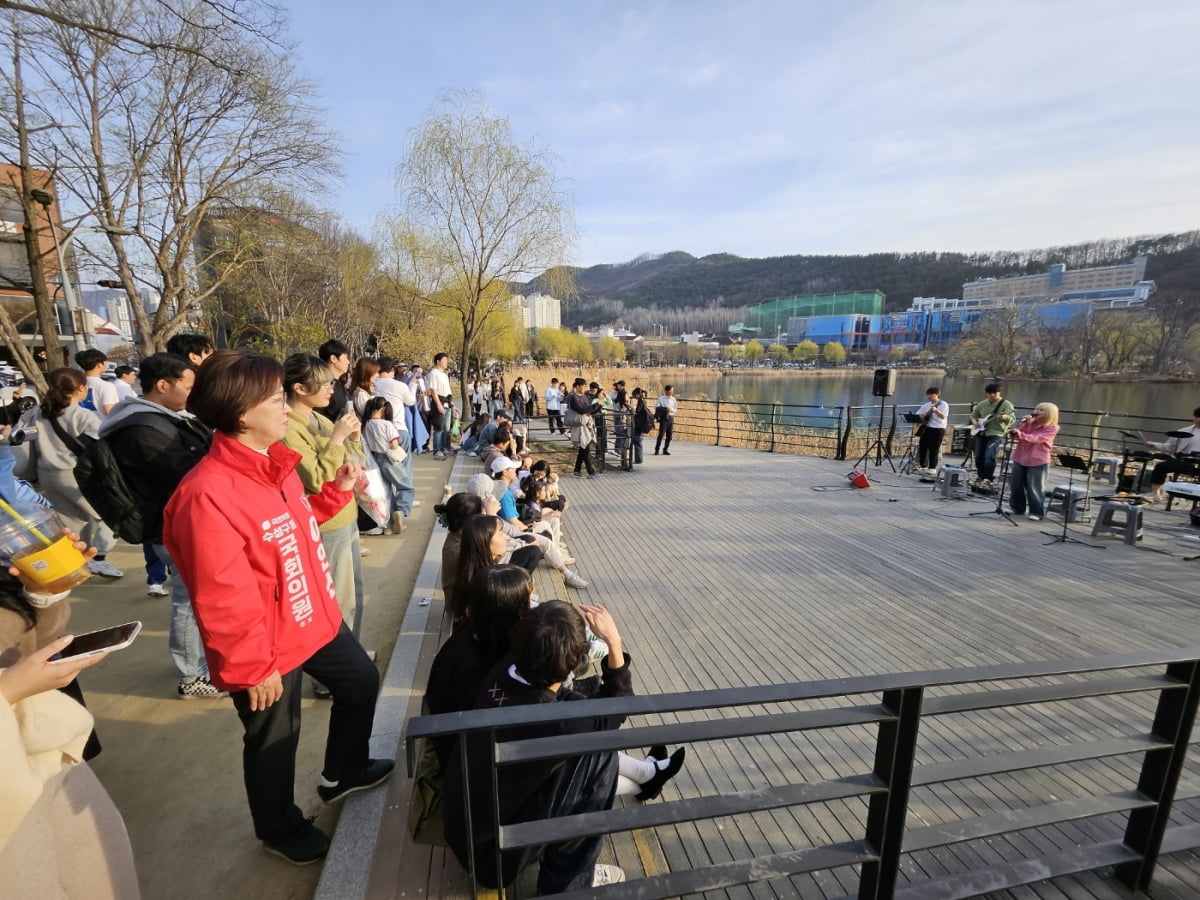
1072, 464
999, 510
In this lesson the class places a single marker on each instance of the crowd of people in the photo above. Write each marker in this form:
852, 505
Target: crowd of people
254, 481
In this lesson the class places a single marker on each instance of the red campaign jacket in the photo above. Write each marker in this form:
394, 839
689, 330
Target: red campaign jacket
245, 541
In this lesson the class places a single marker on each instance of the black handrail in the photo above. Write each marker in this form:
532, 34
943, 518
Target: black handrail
899, 706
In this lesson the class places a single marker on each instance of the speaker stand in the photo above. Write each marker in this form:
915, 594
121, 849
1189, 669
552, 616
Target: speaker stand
878, 447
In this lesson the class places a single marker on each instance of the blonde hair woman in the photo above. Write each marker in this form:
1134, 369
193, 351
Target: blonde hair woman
1034, 438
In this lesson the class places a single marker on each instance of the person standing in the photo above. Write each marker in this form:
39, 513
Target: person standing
243, 532
441, 400
157, 442
1031, 460
934, 415
336, 355
60, 420
101, 396
991, 418
404, 404
583, 435
517, 397
1177, 446
664, 414
643, 423
554, 417
322, 449
126, 376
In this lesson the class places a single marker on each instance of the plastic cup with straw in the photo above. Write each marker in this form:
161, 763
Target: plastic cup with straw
36, 543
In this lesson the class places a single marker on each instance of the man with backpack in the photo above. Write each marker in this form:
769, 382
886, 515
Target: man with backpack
156, 442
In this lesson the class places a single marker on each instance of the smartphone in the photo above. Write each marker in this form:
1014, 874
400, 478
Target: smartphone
94, 643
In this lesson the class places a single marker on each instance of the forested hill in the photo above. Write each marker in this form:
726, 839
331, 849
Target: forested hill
679, 280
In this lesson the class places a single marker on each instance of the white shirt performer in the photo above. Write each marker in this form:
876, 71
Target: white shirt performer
934, 414
664, 413
1180, 446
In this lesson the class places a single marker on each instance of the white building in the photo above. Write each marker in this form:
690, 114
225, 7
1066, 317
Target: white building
538, 311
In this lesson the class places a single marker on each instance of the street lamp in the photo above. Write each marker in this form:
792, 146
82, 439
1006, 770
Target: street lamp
45, 198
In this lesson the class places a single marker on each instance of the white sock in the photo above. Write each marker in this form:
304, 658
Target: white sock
636, 770
627, 786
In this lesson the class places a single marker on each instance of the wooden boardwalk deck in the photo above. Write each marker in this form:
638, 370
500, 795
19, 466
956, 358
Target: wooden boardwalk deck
729, 567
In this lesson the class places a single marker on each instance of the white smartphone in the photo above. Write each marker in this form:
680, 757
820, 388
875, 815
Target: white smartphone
94, 643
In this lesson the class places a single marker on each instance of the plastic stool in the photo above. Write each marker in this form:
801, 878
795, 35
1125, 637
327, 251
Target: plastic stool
1129, 526
951, 480
1106, 467
1076, 508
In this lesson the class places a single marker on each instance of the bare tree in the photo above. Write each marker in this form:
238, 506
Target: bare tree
488, 211
156, 141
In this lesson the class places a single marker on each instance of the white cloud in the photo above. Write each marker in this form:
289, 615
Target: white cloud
778, 127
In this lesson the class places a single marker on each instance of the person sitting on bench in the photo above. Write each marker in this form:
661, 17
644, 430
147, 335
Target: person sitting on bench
548, 644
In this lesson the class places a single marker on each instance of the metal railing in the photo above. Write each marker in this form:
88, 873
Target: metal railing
894, 707
845, 432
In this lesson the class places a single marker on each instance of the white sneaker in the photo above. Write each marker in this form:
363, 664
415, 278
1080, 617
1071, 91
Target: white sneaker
1035, 518
105, 568
603, 875
573, 580
156, 590
416, 503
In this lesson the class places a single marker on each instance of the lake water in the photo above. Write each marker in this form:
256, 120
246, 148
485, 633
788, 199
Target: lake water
1171, 401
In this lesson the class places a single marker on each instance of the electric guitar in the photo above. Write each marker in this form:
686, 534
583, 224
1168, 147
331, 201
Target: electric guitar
979, 425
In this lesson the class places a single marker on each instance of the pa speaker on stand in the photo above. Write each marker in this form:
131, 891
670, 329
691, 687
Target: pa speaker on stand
884, 383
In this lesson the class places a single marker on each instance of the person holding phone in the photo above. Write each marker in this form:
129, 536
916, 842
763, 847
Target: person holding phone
323, 447
244, 533
50, 791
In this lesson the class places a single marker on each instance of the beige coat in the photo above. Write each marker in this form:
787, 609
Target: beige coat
61, 837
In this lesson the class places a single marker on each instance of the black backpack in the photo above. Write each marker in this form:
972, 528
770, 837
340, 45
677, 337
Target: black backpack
102, 484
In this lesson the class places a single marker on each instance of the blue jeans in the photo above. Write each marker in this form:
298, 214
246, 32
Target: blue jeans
183, 638
156, 569
518, 411
1028, 485
986, 447
637, 445
398, 480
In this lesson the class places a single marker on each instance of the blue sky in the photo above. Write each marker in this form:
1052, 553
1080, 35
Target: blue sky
769, 128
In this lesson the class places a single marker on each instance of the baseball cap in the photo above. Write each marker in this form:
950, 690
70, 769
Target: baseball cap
499, 465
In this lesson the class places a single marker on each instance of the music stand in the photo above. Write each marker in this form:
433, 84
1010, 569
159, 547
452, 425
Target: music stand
999, 510
1072, 464
908, 462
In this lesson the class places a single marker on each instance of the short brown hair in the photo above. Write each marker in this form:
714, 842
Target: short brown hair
231, 382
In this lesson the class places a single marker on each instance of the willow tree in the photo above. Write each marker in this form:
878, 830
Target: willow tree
491, 212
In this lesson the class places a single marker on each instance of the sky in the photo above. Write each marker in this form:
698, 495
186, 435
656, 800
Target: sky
773, 128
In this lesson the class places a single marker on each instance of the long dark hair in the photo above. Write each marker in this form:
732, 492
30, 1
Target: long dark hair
499, 597
60, 385
474, 553
455, 511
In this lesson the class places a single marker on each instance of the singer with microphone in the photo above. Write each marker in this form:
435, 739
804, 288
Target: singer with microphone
1034, 437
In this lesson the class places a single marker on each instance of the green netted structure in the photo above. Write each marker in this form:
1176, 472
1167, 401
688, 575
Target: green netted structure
771, 316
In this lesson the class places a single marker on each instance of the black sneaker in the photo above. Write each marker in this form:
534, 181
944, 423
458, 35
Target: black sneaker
307, 845
375, 772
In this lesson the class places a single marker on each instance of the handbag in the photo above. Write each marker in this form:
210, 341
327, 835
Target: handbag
573, 418
371, 494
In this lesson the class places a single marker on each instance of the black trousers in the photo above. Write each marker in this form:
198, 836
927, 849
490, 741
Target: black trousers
666, 428
929, 447
584, 458
272, 734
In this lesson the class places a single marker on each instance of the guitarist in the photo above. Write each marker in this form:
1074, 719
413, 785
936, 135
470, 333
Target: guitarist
934, 415
991, 420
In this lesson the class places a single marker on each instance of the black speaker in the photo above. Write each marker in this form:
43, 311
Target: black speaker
884, 384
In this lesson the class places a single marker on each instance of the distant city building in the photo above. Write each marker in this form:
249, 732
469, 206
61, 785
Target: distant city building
1126, 281
770, 318
538, 311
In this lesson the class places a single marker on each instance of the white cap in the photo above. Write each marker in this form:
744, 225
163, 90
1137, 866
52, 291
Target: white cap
502, 463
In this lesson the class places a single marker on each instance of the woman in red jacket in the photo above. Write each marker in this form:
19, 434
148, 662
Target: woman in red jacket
246, 542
